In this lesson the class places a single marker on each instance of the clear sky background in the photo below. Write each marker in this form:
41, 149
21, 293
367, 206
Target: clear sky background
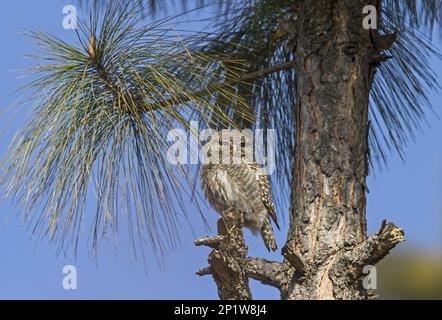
408, 193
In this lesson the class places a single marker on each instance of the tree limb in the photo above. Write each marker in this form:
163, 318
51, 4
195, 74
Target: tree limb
374, 248
268, 272
294, 259
227, 260
377, 246
211, 242
204, 272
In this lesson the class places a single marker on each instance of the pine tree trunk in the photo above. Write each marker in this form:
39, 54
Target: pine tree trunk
327, 246
328, 200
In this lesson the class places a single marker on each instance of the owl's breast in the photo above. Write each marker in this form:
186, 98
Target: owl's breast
218, 188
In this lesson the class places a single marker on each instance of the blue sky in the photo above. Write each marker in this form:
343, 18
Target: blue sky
408, 193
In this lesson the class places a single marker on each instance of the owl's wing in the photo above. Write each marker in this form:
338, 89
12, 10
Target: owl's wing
242, 179
266, 194
265, 190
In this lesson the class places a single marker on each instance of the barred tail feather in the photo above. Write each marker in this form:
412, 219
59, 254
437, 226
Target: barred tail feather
268, 236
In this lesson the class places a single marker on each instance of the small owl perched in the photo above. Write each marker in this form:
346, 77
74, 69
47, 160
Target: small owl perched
240, 185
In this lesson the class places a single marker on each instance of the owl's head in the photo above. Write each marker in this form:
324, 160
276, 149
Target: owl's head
229, 147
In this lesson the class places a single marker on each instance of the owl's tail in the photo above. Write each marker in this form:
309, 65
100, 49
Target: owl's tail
268, 236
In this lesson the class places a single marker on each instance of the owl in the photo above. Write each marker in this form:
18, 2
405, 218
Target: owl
241, 186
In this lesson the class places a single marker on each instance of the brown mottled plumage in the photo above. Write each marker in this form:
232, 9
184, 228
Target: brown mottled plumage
244, 188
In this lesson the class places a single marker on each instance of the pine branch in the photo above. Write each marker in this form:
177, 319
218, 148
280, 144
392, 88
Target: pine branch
213, 87
376, 247
88, 133
272, 273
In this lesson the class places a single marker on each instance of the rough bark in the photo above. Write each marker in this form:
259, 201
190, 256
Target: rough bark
327, 246
231, 268
328, 203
